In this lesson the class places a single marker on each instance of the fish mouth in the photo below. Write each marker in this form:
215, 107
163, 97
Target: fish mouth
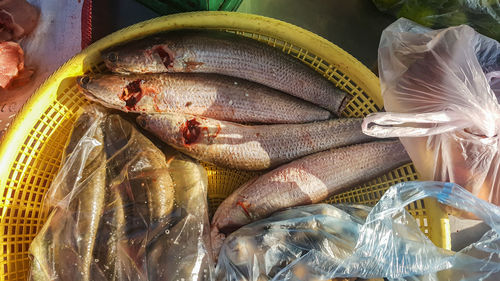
82, 82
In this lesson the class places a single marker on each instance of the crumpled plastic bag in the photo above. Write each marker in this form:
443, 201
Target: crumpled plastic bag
439, 101
121, 210
320, 242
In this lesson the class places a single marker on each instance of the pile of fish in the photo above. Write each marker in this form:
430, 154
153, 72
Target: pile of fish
122, 211
285, 245
223, 99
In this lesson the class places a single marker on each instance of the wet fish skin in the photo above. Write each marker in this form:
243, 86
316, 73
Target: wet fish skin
77, 198
210, 95
88, 206
89, 210
310, 179
139, 174
110, 232
86, 131
250, 147
182, 250
228, 54
146, 166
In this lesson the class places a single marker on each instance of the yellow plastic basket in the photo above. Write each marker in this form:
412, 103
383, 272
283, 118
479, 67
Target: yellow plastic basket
30, 153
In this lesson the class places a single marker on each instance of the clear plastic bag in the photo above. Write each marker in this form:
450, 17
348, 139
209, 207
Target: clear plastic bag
438, 98
319, 242
121, 210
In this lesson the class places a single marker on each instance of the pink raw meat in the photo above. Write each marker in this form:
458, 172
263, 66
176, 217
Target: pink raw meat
11, 62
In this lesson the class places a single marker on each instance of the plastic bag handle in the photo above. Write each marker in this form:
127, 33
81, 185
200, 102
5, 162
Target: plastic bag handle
446, 193
385, 124
491, 75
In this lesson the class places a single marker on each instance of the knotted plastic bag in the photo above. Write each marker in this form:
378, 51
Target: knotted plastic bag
320, 242
439, 93
121, 208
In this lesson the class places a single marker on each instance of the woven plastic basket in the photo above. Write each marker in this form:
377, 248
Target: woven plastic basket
30, 154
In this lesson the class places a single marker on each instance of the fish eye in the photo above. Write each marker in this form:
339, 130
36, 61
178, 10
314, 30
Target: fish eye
112, 57
84, 80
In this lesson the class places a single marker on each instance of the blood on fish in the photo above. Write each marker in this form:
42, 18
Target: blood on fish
218, 131
188, 104
132, 94
242, 205
190, 131
155, 102
192, 65
208, 131
165, 57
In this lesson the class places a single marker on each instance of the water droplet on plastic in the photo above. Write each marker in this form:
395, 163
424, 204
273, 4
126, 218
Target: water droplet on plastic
96, 260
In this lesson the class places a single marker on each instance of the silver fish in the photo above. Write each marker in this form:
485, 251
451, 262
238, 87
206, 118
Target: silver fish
182, 251
228, 54
310, 179
210, 95
250, 147
71, 230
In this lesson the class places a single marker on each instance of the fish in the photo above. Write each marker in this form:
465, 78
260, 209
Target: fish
209, 95
143, 196
88, 209
228, 54
87, 196
81, 157
138, 164
300, 243
183, 251
247, 147
307, 180
77, 202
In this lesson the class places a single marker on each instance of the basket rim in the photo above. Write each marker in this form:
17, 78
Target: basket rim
45, 94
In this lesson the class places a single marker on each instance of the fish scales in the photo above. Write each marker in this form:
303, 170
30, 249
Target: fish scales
250, 147
310, 179
210, 95
228, 54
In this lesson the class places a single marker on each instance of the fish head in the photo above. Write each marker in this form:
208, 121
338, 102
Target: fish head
234, 213
155, 54
121, 92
